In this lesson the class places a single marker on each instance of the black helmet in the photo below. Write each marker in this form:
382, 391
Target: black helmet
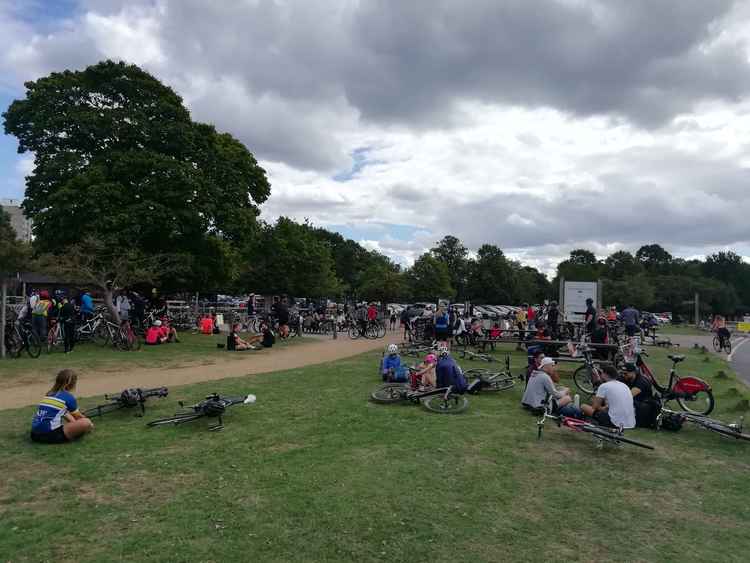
213, 407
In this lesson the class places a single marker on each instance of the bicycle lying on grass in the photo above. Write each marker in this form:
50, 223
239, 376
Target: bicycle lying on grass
600, 434
486, 380
443, 400
127, 399
213, 406
731, 430
467, 354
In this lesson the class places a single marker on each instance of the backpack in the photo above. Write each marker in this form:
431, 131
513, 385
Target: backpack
646, 413
672, 422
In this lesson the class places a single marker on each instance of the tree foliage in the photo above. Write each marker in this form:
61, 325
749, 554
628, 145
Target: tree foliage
429, 279
118, 158
13, 252
452, 252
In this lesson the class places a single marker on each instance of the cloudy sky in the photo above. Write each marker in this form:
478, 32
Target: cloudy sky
539, 126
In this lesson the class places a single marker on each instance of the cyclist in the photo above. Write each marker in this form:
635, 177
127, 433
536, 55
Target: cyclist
57, 419
530, 317
521, 321
390, 368
281, 312
360, 315
39, 314
590, 316
600, 335
540, 386
393, 319
372, 314
630, 318
553, 319
87, 306
613, 404
447, 371
719, 326
612, 314
442, 328
68, 324
645, 404
426, 372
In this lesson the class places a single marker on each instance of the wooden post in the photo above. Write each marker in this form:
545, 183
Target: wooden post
3, 302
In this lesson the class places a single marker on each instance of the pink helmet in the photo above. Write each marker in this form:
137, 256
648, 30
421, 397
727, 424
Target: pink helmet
430, 359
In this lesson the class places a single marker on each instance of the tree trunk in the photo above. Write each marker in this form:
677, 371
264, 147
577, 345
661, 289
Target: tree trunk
109, 302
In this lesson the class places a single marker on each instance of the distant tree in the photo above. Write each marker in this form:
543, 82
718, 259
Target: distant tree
452, 252
491, 277
428, 279
118, 158
383, 282
635, 290
620, 265
532, 286
582, 265
654, 258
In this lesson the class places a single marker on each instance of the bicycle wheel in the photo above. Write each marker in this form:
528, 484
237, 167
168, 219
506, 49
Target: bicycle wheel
455, 404
134, 342
701, 402
497, 383
33, 345
726, 431
102, 409
101, 335
389, 393
717, 344
607, 435
381, 330
13, 344
728, 346
52, 339
175, 419
371, 332
583, 377
353, 332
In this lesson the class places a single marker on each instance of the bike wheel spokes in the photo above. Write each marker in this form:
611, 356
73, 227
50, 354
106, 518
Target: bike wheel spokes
33, 345
498, 383
583, 377
453, 404
701, 402
389, 393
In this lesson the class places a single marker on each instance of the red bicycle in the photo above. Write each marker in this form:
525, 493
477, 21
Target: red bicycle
692, 393
600, 434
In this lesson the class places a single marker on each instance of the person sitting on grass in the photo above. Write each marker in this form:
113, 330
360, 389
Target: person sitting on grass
57, 419
171, 332
268, 338
426, 373
236, 343
155, 335
600, 335
447, 371
541, 386
613, 404
646, 406
391, 368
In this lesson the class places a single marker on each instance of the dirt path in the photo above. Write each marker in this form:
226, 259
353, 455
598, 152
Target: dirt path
300, 355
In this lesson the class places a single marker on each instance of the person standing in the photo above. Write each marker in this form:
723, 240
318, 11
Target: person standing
87, 306
68, 324
553, 320
123, 306
630, 318
590, 316
39, 314
530, 318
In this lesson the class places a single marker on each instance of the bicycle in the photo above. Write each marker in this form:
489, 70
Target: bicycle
126, 399
443, 400
722, 343
730, 430
213, 406
600, 434
87, 330
588, 376
21, 338
55, 335
687, 391
476, 356
492, 381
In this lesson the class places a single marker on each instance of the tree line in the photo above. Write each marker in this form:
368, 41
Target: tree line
128, 189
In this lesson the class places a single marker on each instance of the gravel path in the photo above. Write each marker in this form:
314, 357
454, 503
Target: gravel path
277, 359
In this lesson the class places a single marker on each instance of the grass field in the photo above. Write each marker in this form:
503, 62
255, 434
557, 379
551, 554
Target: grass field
315, 472
682, 329
193, 348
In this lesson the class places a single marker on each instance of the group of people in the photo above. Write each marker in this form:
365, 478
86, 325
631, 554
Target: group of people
438, 369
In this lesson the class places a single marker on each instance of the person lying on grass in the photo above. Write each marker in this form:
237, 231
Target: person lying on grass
613, 404
235, 342
57, 419
541, 385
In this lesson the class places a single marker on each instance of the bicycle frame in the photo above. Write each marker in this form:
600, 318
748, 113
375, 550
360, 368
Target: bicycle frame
600, 434
677, 386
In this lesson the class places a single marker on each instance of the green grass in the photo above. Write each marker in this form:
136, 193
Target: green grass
682, 329
315, 472
193, 348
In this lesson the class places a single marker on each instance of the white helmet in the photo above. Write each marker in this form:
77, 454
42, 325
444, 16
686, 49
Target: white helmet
157, 322
442, 350
392, 349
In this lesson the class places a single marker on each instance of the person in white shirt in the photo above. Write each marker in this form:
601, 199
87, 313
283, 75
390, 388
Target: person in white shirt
613, 404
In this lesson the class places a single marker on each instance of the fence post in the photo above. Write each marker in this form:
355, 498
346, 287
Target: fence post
697, 309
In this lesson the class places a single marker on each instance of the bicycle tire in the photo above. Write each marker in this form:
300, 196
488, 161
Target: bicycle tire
728, 346
724, 430
101, 335
607, 435
102, 409
134, 342
455, 404
717, 344
389, 393
493, 384
33, 345
583, 379
709, 402
371, 332
175, 419
353, 332
381, 330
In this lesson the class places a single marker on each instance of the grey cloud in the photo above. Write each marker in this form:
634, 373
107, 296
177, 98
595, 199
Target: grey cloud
410, 194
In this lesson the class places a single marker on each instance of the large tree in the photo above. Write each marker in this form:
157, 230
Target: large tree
620, 265
654, 258
452, 252
13, 256
118, 158
582, 265
491, 277
429, 280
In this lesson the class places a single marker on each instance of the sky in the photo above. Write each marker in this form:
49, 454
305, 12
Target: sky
536, 125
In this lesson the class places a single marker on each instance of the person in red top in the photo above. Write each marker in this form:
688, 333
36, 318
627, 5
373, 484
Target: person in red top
168, 332
530, 317
155, 335
372, 312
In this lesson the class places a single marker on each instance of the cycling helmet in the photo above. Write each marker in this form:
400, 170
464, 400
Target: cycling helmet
392, 349
157, 322
130, 397
430, 359
213, 407
442, 350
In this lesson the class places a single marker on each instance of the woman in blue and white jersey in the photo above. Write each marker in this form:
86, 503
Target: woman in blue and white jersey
58, 420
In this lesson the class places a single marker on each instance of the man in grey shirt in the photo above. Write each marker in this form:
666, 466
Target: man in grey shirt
540, 386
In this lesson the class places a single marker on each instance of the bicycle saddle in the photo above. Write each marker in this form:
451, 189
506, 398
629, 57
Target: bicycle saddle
676, 358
